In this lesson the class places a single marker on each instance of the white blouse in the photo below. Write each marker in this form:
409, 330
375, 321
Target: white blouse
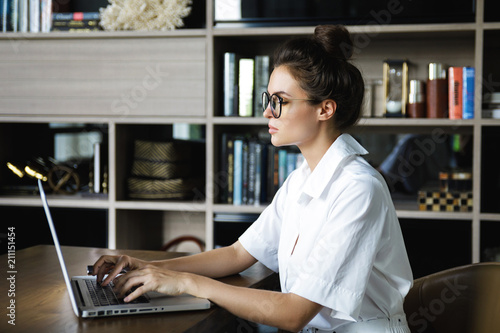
334, 237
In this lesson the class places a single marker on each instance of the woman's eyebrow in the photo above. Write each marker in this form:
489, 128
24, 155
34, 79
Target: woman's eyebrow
281, 92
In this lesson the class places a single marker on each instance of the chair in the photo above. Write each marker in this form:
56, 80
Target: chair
462, 299
174, 243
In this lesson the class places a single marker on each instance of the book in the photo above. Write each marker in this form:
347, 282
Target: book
230, 84
45, 15
260, 83
78, 21
14, 15
23, 16
455, 80
258, 173
5, 11
252, 171
245, 85
76, 16
34, 15
238, 172
283, 166
230, 169
221, 178
244, 173
469, 76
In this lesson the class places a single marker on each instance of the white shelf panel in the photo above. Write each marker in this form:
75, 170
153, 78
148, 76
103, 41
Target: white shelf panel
489, 217
222, 208
187, 206
55, 201
373, 30
104, 34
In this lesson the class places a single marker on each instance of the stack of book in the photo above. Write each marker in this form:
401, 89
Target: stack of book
76, 22
252, 170
491, 105
245, 79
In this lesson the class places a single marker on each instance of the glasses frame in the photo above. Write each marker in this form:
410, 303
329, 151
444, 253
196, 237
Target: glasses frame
280, 102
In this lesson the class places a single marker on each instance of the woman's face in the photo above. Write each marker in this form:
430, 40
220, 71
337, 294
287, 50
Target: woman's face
298, 124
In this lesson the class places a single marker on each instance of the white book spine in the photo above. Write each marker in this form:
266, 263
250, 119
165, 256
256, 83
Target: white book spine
34, 15
23, 15
46, 15
14, 16
97, 168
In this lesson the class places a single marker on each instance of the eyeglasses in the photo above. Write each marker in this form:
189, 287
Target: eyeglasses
276, 102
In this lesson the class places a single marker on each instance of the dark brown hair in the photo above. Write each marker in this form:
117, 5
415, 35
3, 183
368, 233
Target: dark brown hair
320, 64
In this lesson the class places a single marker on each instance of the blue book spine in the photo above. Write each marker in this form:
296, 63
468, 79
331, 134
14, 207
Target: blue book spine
238, 172
468, 93
291, 163
282, 165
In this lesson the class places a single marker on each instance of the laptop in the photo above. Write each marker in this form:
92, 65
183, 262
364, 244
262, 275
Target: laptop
90, 300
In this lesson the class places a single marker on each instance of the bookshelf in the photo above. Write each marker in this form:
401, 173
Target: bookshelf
132, 82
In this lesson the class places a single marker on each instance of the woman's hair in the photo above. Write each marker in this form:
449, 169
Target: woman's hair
320, 64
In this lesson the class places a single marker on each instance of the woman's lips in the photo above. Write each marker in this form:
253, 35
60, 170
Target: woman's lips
272, 130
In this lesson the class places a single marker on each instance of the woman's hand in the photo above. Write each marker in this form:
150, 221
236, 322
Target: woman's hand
150, 278
114, 265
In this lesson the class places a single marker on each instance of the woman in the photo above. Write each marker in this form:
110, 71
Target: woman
331, 230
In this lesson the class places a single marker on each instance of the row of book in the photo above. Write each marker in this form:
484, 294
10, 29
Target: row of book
25, 15
37, 16
252, 171
245, 79
461, 92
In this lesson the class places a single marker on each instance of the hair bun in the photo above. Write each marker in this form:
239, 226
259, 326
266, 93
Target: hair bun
336, 40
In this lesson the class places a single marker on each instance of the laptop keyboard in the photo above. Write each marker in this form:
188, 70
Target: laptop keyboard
104, 296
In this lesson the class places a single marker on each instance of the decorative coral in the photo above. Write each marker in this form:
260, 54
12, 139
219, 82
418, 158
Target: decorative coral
145, 15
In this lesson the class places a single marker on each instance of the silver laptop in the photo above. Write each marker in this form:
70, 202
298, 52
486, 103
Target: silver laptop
89, 299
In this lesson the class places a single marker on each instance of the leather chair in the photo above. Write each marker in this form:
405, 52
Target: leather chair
169, 246
462, 299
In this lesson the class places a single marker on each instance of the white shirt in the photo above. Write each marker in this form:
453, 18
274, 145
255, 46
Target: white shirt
334, 237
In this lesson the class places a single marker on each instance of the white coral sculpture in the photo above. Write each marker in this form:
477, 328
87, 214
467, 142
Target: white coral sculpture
145, 15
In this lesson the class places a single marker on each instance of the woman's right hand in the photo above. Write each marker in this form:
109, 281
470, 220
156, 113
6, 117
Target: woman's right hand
114, 265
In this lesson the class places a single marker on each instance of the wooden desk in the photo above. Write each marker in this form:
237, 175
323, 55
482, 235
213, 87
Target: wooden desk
43, 305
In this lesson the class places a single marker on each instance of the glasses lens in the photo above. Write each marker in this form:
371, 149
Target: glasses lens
275, 106
265, 101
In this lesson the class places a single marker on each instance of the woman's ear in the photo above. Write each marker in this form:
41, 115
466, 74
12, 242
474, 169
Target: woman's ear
328, 108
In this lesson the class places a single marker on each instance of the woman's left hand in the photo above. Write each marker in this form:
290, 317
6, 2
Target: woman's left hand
150, 278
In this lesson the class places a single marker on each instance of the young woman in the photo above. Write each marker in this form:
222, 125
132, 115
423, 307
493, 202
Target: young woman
331, 231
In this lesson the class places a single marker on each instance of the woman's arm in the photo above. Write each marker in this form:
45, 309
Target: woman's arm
216, 263
286, 311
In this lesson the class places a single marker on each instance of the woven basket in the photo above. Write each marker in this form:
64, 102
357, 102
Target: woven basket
174, 151
164, 170
162, 189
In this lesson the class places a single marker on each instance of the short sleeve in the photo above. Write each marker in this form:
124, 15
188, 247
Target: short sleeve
337, 270
262, 238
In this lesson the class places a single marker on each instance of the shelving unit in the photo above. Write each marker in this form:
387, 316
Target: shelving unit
131, 80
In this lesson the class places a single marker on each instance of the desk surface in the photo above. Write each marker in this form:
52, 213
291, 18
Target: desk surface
43, 305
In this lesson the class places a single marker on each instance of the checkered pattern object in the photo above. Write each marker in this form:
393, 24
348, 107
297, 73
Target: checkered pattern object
445, 201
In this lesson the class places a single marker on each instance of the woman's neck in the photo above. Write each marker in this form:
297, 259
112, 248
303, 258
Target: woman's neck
314, 151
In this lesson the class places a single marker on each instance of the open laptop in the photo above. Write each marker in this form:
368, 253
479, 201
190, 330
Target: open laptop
90, 300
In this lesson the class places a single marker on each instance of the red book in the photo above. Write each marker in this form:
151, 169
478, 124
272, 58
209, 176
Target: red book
455, 86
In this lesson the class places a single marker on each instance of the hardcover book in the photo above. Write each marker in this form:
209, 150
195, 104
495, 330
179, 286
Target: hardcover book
246, 87
468, 93
455, 92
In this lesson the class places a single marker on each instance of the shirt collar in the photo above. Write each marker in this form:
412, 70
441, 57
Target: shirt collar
344, 146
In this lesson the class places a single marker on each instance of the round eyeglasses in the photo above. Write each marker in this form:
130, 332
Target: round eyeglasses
276, 102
